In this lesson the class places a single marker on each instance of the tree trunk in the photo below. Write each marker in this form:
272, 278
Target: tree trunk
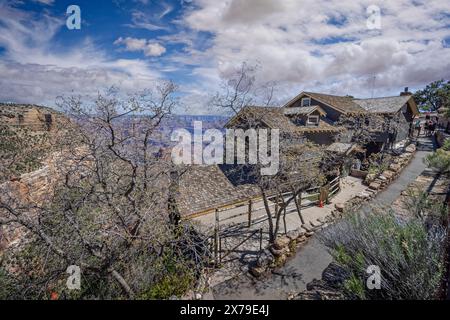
278, 211
298, 205
269, 217
122, 282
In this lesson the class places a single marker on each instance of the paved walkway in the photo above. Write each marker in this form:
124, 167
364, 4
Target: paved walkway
310, 261
409, 174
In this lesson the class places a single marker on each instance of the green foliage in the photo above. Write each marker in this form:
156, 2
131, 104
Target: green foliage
354, 286
170, 285
175, 279
341, 256
446, 145
439, 160
433, 96
376, 163
152, 276
447, 111
8, 286
410, 255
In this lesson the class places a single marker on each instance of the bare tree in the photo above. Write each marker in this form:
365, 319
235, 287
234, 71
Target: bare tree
241, 89
109, 208
299, 170
300, 161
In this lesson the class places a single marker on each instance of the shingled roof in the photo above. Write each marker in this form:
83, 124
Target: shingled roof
275, 118
342, 103
384, 104
348, 104
303, 110
203, 188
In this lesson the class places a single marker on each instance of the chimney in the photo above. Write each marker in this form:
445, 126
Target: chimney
406, 92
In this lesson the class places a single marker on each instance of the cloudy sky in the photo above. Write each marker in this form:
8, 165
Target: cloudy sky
330, 46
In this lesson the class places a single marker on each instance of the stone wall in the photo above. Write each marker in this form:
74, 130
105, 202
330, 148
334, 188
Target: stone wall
359, 173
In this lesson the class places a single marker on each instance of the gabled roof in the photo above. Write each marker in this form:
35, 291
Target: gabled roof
303, 111
342, 104
386, 104
274, 118
203, 188
348, 104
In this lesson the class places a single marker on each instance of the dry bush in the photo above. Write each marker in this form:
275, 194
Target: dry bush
409, 253
109, 212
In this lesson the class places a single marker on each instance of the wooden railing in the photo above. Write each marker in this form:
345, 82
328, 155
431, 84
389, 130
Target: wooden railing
251, 209
309, 197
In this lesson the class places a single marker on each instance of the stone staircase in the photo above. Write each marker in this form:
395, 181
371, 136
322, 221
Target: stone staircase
426, 144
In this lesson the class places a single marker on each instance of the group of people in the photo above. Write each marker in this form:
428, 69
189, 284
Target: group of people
429, 126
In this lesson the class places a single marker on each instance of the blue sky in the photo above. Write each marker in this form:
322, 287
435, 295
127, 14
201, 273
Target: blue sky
315, 45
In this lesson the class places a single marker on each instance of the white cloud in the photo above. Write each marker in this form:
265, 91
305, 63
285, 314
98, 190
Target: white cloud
167, 8
34, 72
325, 44
321, 45
154, 50
150, 49
47, 2
143, 20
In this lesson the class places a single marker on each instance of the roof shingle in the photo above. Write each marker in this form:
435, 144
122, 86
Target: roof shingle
383, 105
275, 118
343, 103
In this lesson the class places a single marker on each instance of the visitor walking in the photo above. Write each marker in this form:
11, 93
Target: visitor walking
418, 127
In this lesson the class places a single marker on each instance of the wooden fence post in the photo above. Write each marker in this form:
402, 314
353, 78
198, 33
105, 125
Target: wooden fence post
249, 213
220, 250
216, 239
260, 240
276, 206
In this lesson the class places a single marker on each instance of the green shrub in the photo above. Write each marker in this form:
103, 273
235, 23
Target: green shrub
355, 287
410, 255
439, 160
176, 279
170, 285
446, 145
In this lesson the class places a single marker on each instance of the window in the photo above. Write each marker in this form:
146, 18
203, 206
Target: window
306, 102
313, 120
